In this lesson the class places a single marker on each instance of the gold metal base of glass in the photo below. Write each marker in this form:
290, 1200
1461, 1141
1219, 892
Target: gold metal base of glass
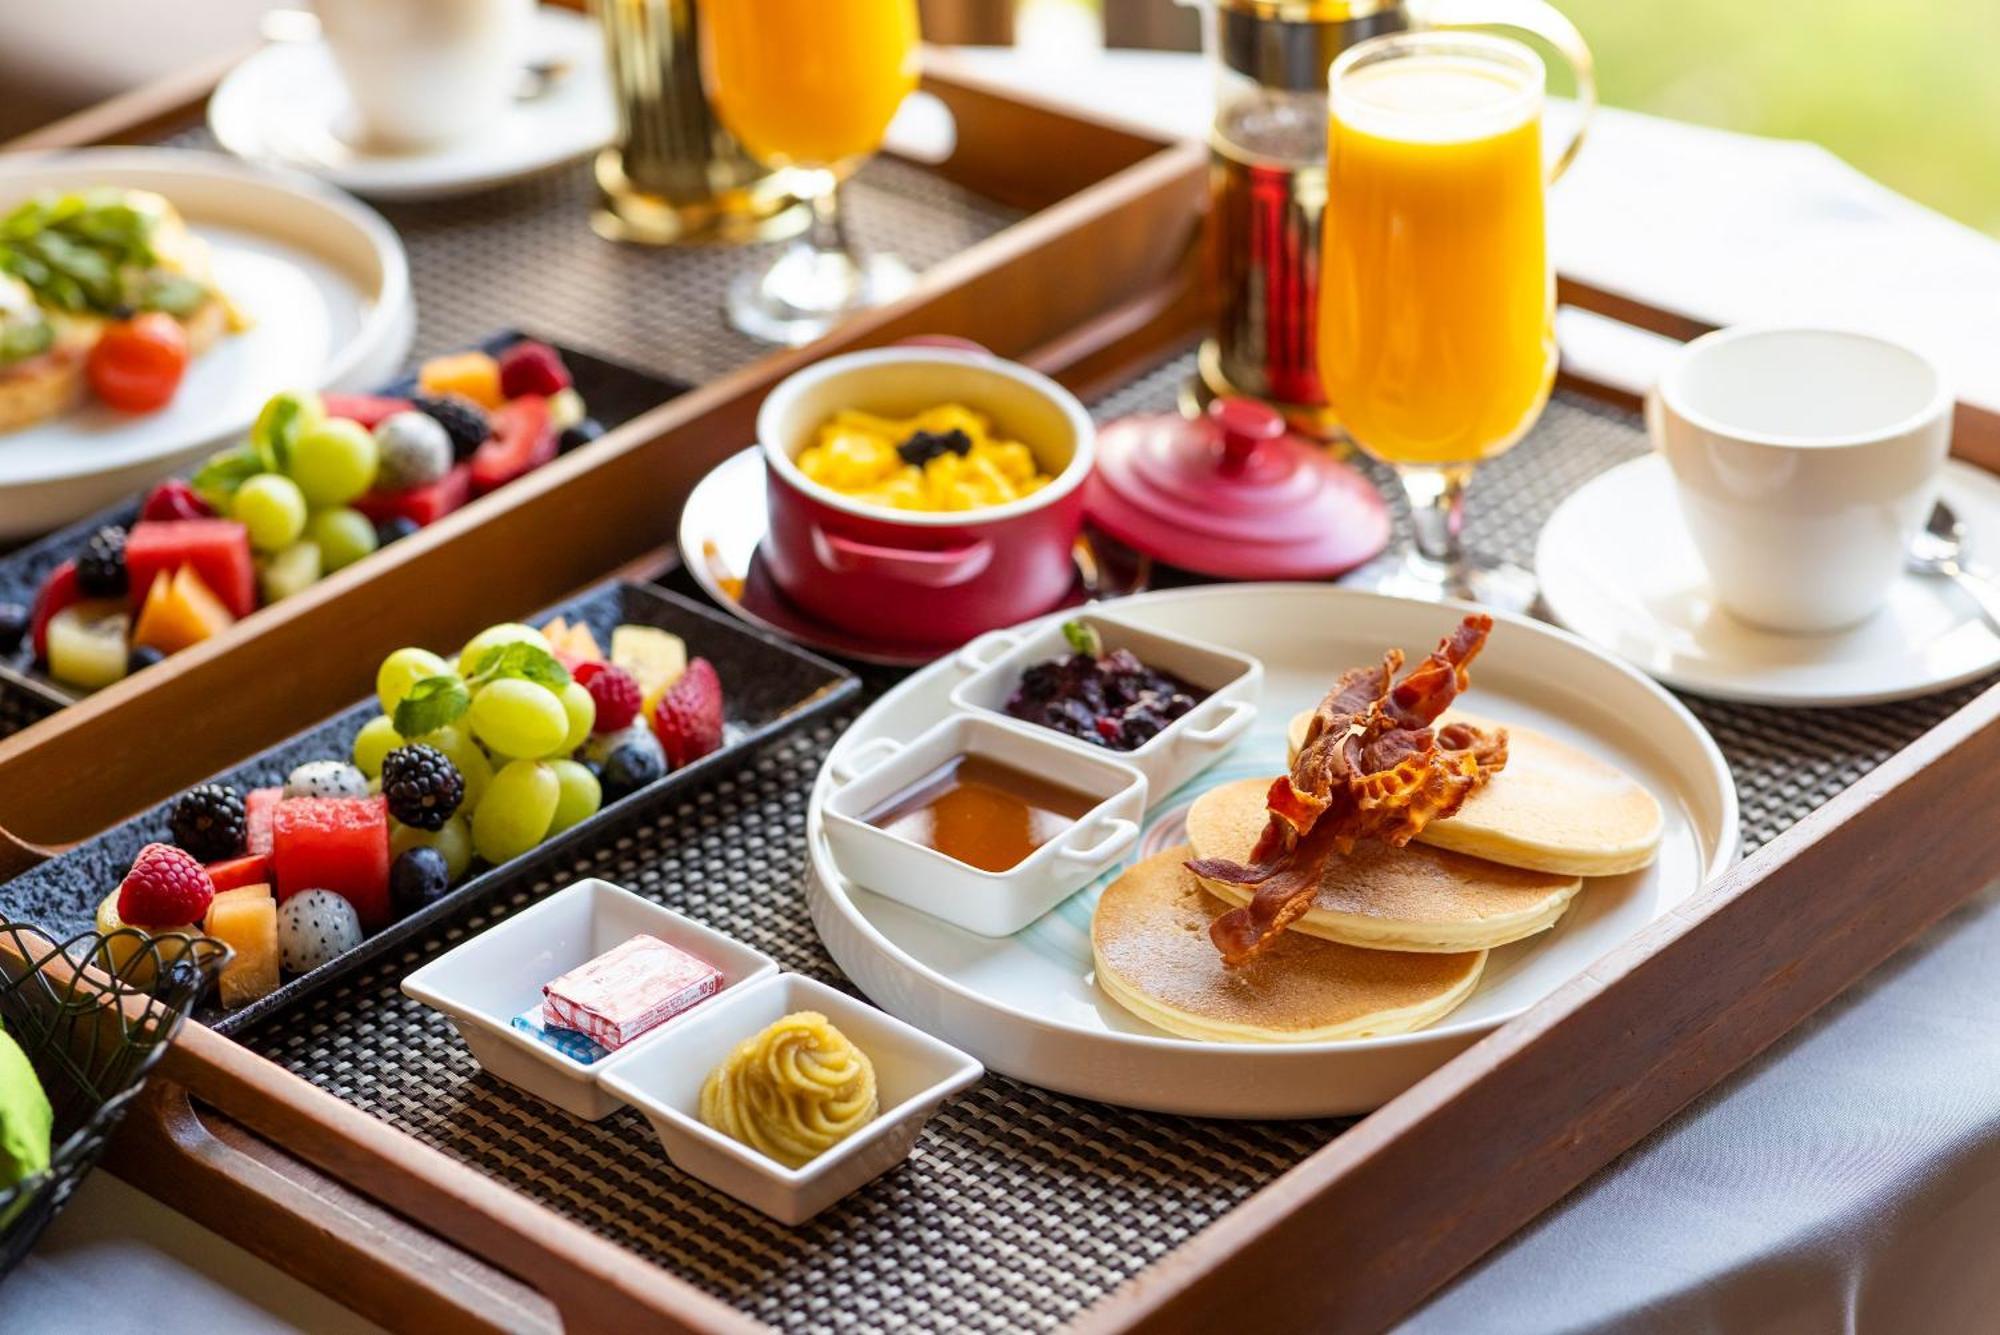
761, 211
1210, 383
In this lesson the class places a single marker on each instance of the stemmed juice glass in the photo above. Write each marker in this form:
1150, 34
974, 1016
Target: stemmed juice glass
1437, 302
809, 86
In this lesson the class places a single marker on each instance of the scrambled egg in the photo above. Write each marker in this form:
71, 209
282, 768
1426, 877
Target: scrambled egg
944, 458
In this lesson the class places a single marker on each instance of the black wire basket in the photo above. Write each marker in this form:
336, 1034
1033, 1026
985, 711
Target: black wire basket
92, 1032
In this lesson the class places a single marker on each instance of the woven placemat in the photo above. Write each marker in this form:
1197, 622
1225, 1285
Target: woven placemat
1020, 1207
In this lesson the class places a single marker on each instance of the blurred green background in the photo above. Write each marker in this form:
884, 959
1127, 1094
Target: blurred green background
1906, 90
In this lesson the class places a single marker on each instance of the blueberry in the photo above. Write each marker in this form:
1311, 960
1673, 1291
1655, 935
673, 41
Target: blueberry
630, 767
417, 878
582, 433
142, 656
13, 625
394, 527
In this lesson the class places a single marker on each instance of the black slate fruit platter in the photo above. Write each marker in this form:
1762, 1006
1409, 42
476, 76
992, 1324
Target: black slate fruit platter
768, 686
612, 393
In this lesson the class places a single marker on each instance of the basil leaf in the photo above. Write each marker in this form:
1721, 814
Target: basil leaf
529, 662
431, 704
1083, 638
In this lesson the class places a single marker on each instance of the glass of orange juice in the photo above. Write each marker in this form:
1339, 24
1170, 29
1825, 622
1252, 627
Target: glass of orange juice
1437, 302
809, 87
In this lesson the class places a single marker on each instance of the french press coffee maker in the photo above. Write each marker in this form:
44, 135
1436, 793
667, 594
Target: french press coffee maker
1267, 183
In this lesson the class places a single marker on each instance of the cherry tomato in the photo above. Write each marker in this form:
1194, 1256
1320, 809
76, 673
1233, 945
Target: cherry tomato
138, 363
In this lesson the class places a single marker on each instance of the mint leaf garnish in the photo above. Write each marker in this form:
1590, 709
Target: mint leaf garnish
1083, 638
218, 479
431, 704
530, 662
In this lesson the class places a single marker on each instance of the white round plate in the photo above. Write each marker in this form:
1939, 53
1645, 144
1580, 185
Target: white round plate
1616, 565
287, 107
1027, 1005
322, 278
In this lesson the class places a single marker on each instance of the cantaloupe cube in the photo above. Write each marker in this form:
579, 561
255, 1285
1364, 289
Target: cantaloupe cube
246, 920
473, 374
180, 612
573, 641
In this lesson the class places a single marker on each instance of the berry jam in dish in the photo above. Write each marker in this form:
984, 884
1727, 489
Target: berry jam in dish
1111, 699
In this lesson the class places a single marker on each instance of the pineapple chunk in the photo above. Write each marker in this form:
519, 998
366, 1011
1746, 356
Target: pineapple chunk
655, 658
246, 920
117, 954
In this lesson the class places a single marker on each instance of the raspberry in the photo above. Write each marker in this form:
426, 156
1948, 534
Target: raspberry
100, 570
462, 419
165, 888
615, 693
174, 499
422, 785
688, 719
532, 368
208, 822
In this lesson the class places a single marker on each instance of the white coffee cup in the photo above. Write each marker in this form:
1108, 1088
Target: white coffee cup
1805, 461
424, 72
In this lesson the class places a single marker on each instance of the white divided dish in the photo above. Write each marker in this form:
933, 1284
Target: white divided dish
914, 1073
992, 903
1028, 1006
484, 983
1617, 566
1183, 748
322, 279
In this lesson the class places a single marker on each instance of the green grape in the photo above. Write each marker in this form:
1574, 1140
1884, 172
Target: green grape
582, 712
514, 815
333, 462
467, 758
282, 574
282, 420
518, 718
507, 632
579, 797
402, 670
376, 739
344, 536
453, 839
271, 506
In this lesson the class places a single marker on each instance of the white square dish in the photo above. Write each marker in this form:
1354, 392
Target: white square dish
1181, 750
988, 902
482, 984
914, 1073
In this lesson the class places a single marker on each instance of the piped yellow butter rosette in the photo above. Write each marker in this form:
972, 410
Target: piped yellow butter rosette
793, 1091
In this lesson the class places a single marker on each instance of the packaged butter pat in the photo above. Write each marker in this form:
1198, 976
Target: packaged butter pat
628, 990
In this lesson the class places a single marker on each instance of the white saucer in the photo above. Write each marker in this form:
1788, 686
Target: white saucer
1617, 566
285, 106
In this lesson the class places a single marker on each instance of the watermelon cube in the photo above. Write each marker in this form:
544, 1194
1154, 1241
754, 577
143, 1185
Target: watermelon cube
257, 809
334, 843
422, 505
218, 549
255, 869
368, 409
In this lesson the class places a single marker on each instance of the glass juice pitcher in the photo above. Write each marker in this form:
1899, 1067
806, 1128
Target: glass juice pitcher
1267, 175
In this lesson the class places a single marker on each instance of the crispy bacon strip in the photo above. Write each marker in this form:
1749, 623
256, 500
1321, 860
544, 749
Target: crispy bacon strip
1372, 767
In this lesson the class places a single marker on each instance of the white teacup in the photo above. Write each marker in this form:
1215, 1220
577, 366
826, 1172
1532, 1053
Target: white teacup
423, 72
1806, 460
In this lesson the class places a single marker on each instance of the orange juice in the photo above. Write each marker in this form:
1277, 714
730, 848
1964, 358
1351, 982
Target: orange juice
809, 83
1437, 306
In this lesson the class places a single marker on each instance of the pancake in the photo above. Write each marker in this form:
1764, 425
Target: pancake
1554, 809
1149, 938
1383, 898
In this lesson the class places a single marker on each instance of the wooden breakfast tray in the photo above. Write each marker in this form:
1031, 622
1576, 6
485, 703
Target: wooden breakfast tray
351, 1144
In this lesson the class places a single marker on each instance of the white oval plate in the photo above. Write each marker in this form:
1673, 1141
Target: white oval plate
322, 277
1616, 565
286, 106
1027, 1006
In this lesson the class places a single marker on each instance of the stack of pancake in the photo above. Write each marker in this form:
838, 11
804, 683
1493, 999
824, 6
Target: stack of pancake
1396, 937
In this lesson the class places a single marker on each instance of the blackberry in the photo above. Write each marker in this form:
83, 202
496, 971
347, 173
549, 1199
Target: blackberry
13, 626
422, 785
582, 433
100, 569
419, 877
461, 419
924, 446
208, 822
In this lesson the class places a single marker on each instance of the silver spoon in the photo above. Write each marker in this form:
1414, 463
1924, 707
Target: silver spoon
1940, 550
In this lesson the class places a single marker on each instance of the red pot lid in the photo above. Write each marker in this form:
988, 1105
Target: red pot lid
1233, 495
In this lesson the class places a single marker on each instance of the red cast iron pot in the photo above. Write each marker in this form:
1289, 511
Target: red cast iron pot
911, 576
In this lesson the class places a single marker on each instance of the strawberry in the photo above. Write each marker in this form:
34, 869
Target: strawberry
614, 691
174, 499
165, 888
58, 591
522, 440
532, 368
688, 719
